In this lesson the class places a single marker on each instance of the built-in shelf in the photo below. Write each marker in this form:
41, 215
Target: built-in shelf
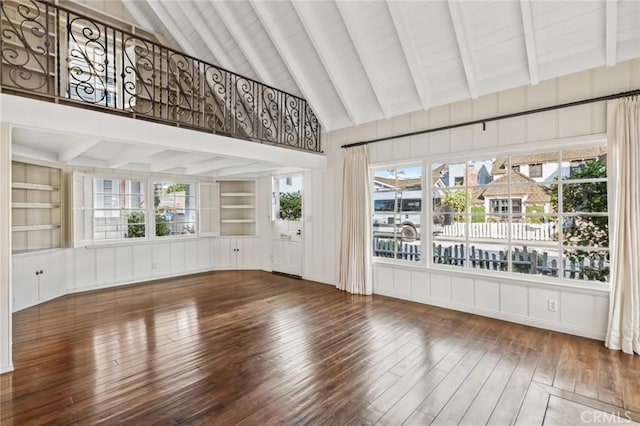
23, 228
237, 194
34, 186
36, 203
237, 207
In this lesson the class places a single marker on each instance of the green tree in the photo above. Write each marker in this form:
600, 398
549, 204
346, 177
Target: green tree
162, 226
477, 214
176, 187
585, 230
456, 199
135, 227
291, 205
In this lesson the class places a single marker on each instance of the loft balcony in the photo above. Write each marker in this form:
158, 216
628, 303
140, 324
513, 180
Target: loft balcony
54, 54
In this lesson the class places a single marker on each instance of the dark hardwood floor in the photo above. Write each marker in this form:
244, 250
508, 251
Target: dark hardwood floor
256, 348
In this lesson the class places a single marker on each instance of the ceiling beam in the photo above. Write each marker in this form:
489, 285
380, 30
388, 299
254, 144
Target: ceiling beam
530, 41
166, 19
460, 30
79, 147
365, 59
202, 29
246, 46
611, 12
409, 50
133, 155
314, 30
292, 61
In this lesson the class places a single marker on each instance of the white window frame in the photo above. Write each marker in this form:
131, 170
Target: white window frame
425, 226
143, 184
83, 210
558, 145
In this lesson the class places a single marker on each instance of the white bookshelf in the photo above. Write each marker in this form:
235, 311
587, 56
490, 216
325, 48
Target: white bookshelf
36, 204
237, 207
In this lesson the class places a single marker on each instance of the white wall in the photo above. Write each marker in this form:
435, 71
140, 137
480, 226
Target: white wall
5, 249
80, 269
582, 312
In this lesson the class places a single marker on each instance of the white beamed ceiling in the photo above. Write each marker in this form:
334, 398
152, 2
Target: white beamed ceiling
360, 61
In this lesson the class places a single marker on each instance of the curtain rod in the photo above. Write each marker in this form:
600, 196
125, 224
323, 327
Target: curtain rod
484, 121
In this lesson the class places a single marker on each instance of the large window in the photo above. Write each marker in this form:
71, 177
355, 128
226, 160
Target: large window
107, 210
397, 211
118, 209
174, 208
554, 226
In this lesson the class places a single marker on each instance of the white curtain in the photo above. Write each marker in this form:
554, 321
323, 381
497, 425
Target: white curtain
623, 128
355, 242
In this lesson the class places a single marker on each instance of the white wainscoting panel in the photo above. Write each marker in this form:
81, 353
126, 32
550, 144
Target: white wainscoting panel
124, 264
581, 312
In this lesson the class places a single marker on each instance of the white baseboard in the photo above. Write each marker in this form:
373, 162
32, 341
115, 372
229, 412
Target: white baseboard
6, 369
318, 279
138, 281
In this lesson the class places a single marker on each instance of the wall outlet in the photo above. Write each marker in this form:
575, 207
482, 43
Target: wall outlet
552, 304
154, 265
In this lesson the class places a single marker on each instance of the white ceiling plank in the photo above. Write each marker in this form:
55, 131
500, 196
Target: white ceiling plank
202, 29
365, 59
35, 153
464, 47
133, 155
216, 164
306, 86
172, 27
246, 45
611, 12
314, 30
141, 18
81, 146
250, 168
408, 48
530, 41
179, 160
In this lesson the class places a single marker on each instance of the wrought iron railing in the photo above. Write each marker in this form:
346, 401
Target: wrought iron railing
53, 53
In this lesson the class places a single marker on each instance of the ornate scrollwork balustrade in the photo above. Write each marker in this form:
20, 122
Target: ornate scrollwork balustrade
53, 53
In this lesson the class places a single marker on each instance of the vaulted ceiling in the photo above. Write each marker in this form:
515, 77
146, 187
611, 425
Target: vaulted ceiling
360, 61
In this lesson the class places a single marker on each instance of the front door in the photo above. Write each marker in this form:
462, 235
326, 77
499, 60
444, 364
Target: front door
287, 232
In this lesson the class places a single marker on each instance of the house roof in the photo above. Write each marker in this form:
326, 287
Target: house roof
499, 165
436, 174
520, 186
399, 183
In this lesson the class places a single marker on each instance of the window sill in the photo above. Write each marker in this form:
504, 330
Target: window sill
143, 241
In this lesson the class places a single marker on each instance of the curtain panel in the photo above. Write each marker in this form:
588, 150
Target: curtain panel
355, 245
623, 132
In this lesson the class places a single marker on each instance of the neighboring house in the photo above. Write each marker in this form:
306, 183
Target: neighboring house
543, 167
524, 192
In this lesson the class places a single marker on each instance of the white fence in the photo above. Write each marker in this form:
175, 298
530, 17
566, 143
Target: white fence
500, 230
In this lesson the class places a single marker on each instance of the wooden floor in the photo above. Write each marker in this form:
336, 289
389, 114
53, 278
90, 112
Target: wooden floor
255, 348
